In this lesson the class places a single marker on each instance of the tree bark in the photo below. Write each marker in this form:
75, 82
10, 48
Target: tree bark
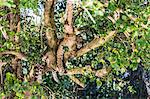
57, 55
50, 32
95, 43
69, 40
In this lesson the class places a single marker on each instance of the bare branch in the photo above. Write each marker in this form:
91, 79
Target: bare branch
96, 43
81, 70
89, 15
69, 40
99, 73
17, 54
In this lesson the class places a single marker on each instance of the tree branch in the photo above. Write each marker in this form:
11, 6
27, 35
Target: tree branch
80, 70
51, 36
1, 74
99, 73
96, 43
17, 54
69, 40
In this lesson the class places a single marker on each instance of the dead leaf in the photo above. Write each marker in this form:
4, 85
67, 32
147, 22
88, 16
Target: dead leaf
4, 33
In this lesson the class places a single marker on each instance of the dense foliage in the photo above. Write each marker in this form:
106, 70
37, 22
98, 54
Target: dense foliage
127, 54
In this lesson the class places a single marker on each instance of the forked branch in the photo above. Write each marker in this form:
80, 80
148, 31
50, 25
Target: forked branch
69, 40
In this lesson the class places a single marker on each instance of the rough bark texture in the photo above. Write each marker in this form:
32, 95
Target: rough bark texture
69, 40
50, 32
56, 57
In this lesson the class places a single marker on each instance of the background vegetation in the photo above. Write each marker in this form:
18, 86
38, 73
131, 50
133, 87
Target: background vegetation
117, 68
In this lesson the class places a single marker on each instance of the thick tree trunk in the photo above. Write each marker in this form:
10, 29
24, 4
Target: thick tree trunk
50, 32
69, 41
57, 56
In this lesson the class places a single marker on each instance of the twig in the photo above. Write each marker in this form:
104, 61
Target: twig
4, 33
2, 64
77, 81
89, 15
41, 30
116, 16
54, 74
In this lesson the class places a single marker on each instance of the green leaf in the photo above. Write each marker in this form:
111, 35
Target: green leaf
98, 82
20, 95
